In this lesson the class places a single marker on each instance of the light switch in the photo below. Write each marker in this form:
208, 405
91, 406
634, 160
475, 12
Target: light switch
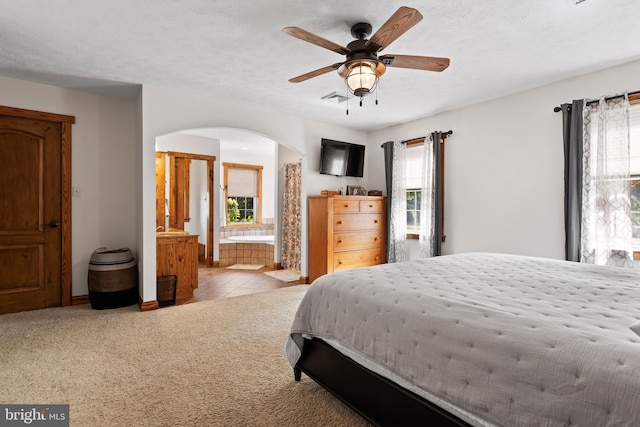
75, 191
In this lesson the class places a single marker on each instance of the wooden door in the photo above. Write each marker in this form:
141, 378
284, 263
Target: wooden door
33, 253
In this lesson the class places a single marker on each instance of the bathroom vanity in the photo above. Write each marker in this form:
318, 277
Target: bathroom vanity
177, 254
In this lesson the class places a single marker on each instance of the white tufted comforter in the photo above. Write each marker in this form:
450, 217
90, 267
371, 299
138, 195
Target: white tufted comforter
495, 339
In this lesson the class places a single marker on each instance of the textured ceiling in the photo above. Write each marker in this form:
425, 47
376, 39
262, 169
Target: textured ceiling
235, 50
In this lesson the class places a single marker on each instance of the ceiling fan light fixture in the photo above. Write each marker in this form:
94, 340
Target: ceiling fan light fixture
362, 68
362, 76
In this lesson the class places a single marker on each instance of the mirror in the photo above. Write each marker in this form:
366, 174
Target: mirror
185, 200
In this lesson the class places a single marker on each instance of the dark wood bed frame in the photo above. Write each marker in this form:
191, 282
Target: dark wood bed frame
377, 399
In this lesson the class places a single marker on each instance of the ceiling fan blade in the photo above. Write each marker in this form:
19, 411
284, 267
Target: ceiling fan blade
305, 35
427, 63
315, 73
399, 23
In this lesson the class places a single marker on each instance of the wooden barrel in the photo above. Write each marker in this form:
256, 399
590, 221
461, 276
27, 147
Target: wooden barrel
113, 278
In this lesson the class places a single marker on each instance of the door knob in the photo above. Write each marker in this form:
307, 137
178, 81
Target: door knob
53, 224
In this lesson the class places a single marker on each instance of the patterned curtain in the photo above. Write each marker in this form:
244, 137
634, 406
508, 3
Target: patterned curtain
291, 217
398, 248
606, 196
427, 201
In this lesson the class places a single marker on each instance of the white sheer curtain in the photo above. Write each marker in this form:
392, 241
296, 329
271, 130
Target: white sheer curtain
427, 202
606, 197
398, 250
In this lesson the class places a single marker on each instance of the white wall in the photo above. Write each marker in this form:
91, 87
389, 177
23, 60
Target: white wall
198, 200
504, 165
185, 143
104, 161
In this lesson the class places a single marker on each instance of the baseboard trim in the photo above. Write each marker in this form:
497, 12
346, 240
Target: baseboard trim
304, 280
277, 266
80, 299
147, 305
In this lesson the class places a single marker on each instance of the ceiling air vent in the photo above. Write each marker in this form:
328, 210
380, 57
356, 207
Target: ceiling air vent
335, 97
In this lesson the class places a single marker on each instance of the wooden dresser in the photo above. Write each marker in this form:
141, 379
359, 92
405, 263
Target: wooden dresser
345, 232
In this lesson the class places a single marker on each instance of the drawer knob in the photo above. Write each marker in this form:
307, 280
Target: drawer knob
375, 239
346, 206
339, 241
370, 206
339, 222
375, 221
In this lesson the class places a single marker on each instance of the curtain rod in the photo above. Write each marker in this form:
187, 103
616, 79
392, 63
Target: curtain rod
630, 94
449, 132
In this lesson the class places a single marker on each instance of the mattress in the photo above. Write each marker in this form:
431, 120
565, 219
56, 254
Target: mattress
494, 339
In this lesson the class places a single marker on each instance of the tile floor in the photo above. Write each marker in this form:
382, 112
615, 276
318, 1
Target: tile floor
222, 283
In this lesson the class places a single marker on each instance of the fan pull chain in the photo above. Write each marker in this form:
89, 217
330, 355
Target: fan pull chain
345, 83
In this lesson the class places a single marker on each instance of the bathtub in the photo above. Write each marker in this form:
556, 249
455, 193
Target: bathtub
250, 239
247, 250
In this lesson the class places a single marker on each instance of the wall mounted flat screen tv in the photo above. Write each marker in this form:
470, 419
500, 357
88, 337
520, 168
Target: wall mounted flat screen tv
341, 158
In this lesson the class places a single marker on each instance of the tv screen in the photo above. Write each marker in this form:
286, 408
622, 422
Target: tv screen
341, 158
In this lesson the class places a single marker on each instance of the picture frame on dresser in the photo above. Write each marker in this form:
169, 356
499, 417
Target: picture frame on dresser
356, 190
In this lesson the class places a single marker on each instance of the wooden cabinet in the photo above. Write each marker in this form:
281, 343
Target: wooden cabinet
178, 255
345, 232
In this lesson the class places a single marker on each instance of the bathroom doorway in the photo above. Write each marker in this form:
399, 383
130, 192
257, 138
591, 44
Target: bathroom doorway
241, 147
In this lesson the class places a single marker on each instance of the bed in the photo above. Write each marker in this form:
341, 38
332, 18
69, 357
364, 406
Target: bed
475, 339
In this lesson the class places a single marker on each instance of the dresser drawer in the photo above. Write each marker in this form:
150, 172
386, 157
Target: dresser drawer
355, 259
372, 206
357, 240
353, 222
343, 205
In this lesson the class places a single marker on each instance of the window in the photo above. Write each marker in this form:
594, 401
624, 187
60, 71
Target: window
243, 193
413, 176
413, 211
414, 166
240, 209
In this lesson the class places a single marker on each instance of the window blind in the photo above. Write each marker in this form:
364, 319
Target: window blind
413, 171
242, 182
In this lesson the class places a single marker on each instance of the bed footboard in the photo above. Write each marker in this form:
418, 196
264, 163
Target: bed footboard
377, 399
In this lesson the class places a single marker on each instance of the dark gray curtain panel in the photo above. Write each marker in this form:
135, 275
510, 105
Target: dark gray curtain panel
388, 171
572, 135
436, 137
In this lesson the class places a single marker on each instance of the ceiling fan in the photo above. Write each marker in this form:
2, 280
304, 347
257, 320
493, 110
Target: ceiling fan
363, 67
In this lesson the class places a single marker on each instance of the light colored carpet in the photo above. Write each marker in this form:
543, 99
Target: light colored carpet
210, 363
284, 275
245, 267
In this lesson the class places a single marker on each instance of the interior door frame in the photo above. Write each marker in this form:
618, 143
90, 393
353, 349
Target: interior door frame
65, 196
